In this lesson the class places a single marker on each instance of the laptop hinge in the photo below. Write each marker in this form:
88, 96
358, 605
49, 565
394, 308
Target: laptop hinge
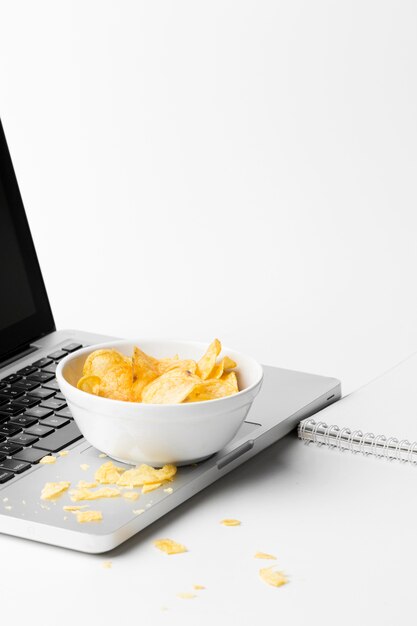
19, 354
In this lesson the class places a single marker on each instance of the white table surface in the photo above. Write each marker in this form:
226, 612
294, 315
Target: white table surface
341, 525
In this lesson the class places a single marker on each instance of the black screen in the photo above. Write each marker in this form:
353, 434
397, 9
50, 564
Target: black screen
25, 314
17, 302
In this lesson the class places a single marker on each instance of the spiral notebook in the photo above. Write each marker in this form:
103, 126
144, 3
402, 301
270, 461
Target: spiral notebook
379, 419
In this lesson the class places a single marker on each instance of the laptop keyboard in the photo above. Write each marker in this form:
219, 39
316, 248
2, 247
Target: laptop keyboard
34, 418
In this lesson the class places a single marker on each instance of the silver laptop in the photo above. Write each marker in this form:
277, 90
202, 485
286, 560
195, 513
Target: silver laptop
35, 420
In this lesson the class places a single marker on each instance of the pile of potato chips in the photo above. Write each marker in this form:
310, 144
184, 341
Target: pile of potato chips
143, 378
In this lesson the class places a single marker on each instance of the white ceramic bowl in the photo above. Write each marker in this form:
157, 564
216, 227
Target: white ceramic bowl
159, 433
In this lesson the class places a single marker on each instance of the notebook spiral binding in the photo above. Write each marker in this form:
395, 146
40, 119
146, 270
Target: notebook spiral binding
365, 443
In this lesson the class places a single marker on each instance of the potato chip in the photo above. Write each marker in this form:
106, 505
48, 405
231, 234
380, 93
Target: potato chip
210, 390
47, 460
145, 474
265, 555
130, 495
230, 379
90, 384
86, 494
100, 361
89, 516
83, 484
208, 360
150, 487
169, 546
84, 466
166, 365
63, 453
117, 382
108, 473
53, 491
145, 370
170, 388
198, 587
225, 364
230, 522
274, 578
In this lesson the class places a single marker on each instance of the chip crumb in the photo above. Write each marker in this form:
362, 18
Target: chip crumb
86, 494
5, 499
150, 487
53, 491
265, 555
186, 595
230, 522
102, 456
23, 501
146, 475
8, 508
107, 564
63, 453
130, 495
138, 511
198, 587
83, 484
84, 466
168, 490
169, 546
89, 516
276, 579
108, 473
48, 460
148, 506
75, 508
65, 518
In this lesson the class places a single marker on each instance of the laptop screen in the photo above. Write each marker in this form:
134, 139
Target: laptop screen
25, 314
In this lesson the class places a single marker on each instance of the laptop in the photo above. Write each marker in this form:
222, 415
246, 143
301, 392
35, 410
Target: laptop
35, 420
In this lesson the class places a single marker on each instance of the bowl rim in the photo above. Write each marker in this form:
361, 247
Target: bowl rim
125, 403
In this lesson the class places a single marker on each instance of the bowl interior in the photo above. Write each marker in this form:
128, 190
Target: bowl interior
248, 371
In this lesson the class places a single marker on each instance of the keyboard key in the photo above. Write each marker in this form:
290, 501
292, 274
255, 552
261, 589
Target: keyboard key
2, 456
30, 455
11, 379
64, 413
9, 448
26, 402
23, 420
59, 439
5, 476
25, 371
10, 393
59, 354
23, 439
3, 401
11, 465
9, 410
38, 412
41, 363
52, 385
41, 377
55, 422
42, 393
8, 430
51, 369
55, 405
2, 385
4, 418
60, 396
72, 347
39, 431
25, 385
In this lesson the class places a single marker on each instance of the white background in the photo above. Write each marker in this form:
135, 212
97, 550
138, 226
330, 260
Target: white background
237, 169
240, 169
